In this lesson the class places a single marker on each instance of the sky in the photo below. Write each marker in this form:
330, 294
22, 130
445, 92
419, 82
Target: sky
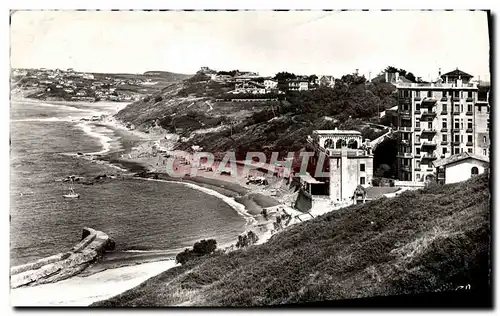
303, 42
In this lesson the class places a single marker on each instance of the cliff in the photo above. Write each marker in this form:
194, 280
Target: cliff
64, 265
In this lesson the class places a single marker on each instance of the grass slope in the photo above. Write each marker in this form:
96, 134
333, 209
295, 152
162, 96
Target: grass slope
422, 241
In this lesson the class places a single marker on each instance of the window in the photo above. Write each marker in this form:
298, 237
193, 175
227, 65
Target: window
469, 94
456, 94
417, 138
469, 107
469, 123
457, 151
484, 152
457, 124
362, 167
418, 150
469, 150
445, 150
417, 106
484, 139
445, 124
417, 94
362, 180
474, 171
445, 107
457, 108
469, 138
479, 108
457, 138
429, 125
445, 138
417, 123
429, 94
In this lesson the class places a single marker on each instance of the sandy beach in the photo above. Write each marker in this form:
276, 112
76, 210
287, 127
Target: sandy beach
130, 152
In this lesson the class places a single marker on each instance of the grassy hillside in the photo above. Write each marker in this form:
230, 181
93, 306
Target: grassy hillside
431, 240
267, 126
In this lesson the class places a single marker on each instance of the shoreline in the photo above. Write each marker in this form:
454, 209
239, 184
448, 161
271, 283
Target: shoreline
237, 196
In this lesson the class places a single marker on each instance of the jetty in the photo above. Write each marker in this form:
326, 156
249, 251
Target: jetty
56, 268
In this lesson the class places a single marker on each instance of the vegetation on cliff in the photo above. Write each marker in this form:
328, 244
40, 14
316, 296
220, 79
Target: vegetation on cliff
436, 239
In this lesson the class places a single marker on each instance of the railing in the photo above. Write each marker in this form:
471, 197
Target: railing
468, 130
428, 113
404, 129
440, 85
405, 155
428, 130
429, 156
429, 143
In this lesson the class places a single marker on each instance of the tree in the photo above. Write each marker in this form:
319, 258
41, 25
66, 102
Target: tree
247, 239
201, 248
382, 171
283, 76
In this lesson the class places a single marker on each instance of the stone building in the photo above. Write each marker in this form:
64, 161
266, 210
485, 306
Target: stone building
347, 163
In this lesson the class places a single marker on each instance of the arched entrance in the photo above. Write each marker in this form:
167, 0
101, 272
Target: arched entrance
353, 144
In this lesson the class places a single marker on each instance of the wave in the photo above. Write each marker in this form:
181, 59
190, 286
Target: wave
238, 207
46, 119
105, 140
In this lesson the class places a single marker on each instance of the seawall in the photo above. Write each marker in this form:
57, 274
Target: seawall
64, 265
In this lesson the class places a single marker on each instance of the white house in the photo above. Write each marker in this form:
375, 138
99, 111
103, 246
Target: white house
271, 84
460, 167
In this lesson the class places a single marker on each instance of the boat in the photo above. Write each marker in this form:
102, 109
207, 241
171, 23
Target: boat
72, 194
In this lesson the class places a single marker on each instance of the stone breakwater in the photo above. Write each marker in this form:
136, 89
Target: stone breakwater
64, 265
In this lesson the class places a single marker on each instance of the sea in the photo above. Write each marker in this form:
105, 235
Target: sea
140, 216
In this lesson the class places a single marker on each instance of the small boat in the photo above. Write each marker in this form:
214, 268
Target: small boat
72, 194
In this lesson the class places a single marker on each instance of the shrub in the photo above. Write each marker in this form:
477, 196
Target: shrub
200, 248
247, 239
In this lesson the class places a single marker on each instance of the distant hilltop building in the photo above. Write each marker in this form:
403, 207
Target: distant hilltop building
446, 117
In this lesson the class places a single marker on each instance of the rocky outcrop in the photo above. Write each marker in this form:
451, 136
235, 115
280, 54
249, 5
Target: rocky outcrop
64, 265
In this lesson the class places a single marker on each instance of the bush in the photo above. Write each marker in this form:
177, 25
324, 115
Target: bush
200, 248
247, 239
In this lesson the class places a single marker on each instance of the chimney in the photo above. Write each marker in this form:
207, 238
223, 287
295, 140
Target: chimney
397, 76
386, 76
440, 72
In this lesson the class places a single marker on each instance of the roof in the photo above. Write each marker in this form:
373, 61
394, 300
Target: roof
458, 157
403, 79
308, 178
336, 131
457, 72
373, 193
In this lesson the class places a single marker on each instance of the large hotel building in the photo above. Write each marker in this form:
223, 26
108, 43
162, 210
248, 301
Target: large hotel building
436, 120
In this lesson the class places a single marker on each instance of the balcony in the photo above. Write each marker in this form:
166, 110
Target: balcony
405, 155
444, 99
456, 99
429, 156
417, 129
455, 112
468, 113
428, 131
444, 130
428, 114
468, 130
405, 141
429, 100
404, 129
468, 144
417, 155
469, 100
428, 143
417, 98
455, 130
417, 112
455, 143
418, 169
405, 115
444, 143
444, 112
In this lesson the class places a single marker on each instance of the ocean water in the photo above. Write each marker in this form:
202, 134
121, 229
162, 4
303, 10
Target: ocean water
139, 215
